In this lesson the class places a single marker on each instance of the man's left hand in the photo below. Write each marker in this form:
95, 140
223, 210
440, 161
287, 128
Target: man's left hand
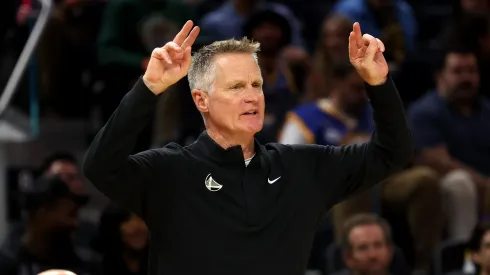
366, 55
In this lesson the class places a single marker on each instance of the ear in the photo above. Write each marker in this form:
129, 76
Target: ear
201, 99
475, 257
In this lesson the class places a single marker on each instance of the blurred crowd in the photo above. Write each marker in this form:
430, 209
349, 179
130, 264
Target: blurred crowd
430, 218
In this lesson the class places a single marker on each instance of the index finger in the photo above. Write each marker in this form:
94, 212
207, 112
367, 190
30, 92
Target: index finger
356, 28
191, 38
180, 37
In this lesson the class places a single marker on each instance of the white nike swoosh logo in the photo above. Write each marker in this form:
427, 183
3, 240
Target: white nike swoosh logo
272, 181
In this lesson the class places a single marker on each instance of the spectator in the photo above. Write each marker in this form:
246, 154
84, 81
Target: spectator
228, 22
123, 243
282, 89
367, 245
331, 49
393, 21
64, 165
479, 251
345, 117
46, 243
130, 30
450, 130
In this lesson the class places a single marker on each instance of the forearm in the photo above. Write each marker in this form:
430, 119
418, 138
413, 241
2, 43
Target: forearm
114, 143
392, 140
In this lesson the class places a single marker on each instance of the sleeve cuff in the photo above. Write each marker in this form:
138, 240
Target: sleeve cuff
141, 92
383, 94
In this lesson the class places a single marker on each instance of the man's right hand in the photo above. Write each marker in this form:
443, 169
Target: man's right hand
171, 62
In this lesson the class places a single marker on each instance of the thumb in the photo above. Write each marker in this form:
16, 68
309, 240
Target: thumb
372, 48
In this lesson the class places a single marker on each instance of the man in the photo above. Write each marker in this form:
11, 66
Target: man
281, 87
345, 117
46, 242
450, 131
367, 245
227, 204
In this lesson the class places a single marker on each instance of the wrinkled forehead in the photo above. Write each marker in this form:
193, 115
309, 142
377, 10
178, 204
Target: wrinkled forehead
236, 67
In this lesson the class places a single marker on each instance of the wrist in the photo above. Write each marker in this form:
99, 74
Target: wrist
377, 82
154, 88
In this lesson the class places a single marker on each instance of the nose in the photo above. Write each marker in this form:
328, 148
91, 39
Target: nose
251, 95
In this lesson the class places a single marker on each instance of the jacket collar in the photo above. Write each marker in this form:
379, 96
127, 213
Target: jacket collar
206, 147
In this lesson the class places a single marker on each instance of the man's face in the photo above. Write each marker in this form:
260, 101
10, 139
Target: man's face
269, 36
335, 38
134, 233
69, 173
370, 253
459, 79
353, 94
482, 257
236, 102
61, 217
475, 6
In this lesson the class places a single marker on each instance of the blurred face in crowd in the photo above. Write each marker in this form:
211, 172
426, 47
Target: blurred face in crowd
475, 6
60, 217
370, 253
335, 34
459, 79
134, 233
269, 36
68, 172
352, 94
381, 3
482, 257
235, 104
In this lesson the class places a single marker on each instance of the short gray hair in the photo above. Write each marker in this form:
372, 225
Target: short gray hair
201, 75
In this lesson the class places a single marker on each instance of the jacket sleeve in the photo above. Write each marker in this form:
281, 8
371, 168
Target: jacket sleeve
108, 163
342, 171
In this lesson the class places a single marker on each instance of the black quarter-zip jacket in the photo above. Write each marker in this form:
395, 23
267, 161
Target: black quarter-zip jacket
208, 213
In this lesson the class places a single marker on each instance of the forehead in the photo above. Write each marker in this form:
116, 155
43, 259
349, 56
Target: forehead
486, 238
364, 233
236, 66
457, 59
62, 166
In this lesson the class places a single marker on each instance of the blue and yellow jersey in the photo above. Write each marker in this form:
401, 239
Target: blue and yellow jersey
321, 123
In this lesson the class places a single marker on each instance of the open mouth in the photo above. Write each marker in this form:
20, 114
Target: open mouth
250, 113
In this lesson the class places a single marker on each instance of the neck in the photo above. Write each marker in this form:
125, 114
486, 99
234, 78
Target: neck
246, 142
483, 272
243, 7
36, 241
132, 260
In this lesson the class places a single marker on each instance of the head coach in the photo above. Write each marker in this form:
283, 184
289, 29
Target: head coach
227, 204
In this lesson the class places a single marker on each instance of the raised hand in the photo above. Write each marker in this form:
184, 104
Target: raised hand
366, 55
171, 62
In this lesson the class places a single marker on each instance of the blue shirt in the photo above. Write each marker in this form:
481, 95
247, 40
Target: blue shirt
359, 10
225, 22
327, 126
467, 138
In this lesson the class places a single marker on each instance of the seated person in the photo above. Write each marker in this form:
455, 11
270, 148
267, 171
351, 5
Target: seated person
345, 117
47, 240
451, 128
366, 245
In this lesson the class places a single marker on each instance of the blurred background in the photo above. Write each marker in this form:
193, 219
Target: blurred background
66, 64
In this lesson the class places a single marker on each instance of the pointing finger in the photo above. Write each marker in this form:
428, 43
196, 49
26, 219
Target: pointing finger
191, 38
180, 37
352, 45
356, 29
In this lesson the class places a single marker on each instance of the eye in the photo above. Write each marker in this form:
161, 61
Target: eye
257, 85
